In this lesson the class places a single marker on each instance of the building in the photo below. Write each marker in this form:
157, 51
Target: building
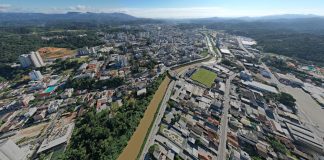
36, 59
305, 137
24, 60
31, 112
58, 137
26, 99
35, 75
141, 92
83, 51
289, 79
260, 86
265, 73
32, 59
246, 76
10, 151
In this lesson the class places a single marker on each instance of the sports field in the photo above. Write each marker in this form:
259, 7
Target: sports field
204, 77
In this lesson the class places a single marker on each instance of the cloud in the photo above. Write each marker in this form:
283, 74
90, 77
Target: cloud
79, 8
181, 12
204, 12
4, 7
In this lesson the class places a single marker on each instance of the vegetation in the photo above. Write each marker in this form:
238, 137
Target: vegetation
204, 77
92, 84
20, 40
294, 38
286, 99
278, 146
103, 135
152, 149
1, 122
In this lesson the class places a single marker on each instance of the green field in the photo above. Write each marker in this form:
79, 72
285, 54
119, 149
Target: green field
204, 77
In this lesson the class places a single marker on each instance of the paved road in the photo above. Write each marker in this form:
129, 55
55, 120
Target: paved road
243, 48
155, 128
224, 120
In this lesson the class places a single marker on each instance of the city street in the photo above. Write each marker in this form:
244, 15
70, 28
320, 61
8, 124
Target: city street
224, 120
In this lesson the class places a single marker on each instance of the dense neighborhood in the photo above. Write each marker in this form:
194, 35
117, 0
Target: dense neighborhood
208, 95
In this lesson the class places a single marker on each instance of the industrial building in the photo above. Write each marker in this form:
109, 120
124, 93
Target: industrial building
305, 137
260, 86
289, 80
10, 151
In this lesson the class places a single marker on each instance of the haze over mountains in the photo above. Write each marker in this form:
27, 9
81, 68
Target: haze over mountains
79, 16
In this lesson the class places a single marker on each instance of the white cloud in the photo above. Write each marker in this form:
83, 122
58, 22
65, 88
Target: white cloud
79, 8
4, 7
185, 12
203, 12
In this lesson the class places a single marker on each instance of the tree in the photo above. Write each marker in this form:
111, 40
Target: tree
278, 146
286, 99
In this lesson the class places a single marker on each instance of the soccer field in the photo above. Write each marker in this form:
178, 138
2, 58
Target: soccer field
204, 77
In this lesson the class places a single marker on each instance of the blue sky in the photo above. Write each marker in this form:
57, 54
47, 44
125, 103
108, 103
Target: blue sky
170, 8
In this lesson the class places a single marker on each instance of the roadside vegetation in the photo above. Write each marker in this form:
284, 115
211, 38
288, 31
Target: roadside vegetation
105, 134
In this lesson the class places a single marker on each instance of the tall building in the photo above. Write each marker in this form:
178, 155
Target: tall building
24, 60
35, 75
33, 59
36, 59
10, 151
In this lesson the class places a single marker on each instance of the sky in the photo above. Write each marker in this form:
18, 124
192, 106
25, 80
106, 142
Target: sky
170, 8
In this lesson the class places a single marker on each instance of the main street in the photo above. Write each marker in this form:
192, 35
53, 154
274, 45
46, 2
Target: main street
155, 126
224, 120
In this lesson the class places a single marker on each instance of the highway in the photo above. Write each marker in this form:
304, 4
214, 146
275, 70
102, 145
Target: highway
224, 120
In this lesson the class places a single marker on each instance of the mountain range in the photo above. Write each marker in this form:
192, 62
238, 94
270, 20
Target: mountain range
122, 17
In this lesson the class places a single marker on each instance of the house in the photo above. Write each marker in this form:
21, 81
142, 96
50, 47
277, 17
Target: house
141, 92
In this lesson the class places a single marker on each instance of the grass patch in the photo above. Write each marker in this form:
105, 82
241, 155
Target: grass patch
204, 77
204, 53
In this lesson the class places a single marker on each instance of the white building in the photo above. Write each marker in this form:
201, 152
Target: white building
10, 151
31, 112
33, 58
35, 75
260, 86
36, 59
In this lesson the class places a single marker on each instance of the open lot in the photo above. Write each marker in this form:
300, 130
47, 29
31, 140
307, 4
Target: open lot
53, 52
30, 132
204, 77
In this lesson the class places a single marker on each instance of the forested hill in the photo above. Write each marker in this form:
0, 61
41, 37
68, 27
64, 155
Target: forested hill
41, 18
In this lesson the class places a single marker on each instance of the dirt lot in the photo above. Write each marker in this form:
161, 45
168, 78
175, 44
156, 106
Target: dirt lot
134, 144
29, 132
52, 52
